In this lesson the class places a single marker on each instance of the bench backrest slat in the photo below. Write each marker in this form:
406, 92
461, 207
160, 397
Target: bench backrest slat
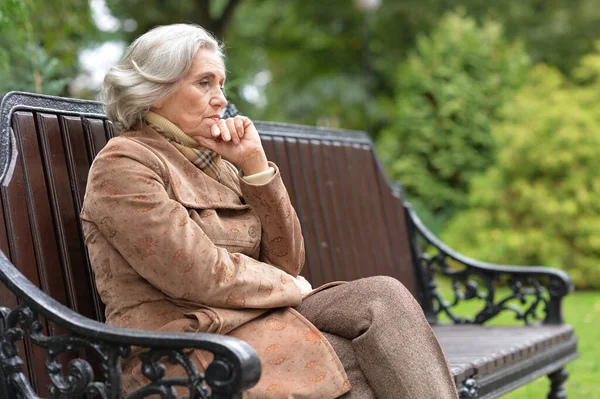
352, 219
353, 224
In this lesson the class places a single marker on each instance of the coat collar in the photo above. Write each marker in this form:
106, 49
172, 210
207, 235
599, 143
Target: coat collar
192, 187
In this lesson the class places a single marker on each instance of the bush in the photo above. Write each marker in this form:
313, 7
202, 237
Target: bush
450, 91
540, 202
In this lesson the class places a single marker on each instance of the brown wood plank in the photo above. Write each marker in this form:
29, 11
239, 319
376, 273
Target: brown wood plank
397, 234
304, 211
79, 154
96, 133
351, 209
267, 143
378, 221
362, 204
7, 298
340, 268
339, 199
488, 349
280, 158
78, 274
21, 241
110, 130
49, 265
316, 215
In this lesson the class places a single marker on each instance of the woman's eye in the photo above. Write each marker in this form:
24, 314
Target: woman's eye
204, 83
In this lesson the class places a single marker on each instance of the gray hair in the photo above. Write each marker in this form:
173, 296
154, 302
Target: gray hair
150, 71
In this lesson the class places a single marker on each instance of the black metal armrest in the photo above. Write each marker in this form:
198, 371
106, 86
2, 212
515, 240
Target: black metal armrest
236, 366
531, 287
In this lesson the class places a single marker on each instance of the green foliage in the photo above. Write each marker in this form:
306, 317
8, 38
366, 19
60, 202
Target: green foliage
557, 32
308, 54
538, 204
330, 64
41, 76
12, 12
40, 42
449, 93
313, 55
588, 72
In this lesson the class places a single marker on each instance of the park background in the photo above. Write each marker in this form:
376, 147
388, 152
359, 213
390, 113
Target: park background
486, 111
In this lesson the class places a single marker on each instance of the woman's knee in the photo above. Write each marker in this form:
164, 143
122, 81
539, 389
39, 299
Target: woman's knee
387, 289
384, 285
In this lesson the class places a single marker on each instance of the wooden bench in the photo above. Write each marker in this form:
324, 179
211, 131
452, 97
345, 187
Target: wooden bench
356, 223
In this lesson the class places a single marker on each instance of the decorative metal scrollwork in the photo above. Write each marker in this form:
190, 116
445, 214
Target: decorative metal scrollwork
154, 370
532, 291
528, 296
78, 378
469, 389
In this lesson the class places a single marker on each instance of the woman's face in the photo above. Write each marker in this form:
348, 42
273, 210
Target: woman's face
194, 107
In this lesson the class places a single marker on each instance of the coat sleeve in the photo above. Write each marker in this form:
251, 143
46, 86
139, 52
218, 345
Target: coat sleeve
127, 200
281, 242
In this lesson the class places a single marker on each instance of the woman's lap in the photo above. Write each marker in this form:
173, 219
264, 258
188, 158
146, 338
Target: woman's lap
379, 323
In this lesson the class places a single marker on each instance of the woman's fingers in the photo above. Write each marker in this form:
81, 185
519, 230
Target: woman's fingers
215, 131
225, 134
246, 122
239, 125
235, 139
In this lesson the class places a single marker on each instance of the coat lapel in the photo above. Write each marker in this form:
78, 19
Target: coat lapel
189, 185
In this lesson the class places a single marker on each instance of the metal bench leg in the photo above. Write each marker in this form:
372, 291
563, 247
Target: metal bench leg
557, 384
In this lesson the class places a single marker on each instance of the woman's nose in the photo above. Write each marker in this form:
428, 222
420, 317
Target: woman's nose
219, 99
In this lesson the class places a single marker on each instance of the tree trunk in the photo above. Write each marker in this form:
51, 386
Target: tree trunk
219, 25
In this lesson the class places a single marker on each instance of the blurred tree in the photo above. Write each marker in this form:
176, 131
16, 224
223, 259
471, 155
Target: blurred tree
12, 12
557, 32
213, 15
450, 91
303, 61
538, 204
307, 57
313, 50
293, 61
40, 42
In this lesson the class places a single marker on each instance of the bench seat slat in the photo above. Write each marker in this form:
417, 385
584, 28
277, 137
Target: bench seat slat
492, 352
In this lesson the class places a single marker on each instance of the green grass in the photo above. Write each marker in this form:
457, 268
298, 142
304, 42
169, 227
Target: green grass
582, 311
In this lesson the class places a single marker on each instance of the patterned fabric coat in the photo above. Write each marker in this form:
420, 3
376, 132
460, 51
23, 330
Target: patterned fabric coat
174, 250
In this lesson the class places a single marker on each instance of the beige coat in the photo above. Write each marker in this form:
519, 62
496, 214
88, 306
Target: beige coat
174, 250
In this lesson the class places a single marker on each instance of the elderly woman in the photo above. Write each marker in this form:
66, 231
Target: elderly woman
180, 240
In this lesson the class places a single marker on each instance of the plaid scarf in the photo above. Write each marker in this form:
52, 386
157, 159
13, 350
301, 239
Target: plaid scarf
206, 160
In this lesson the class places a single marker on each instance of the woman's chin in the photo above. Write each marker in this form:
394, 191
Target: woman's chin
200, 133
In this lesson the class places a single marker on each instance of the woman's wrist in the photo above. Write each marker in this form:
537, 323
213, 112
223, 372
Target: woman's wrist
253, 163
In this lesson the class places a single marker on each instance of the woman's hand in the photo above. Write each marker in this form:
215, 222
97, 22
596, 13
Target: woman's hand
237, 140
303, 285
